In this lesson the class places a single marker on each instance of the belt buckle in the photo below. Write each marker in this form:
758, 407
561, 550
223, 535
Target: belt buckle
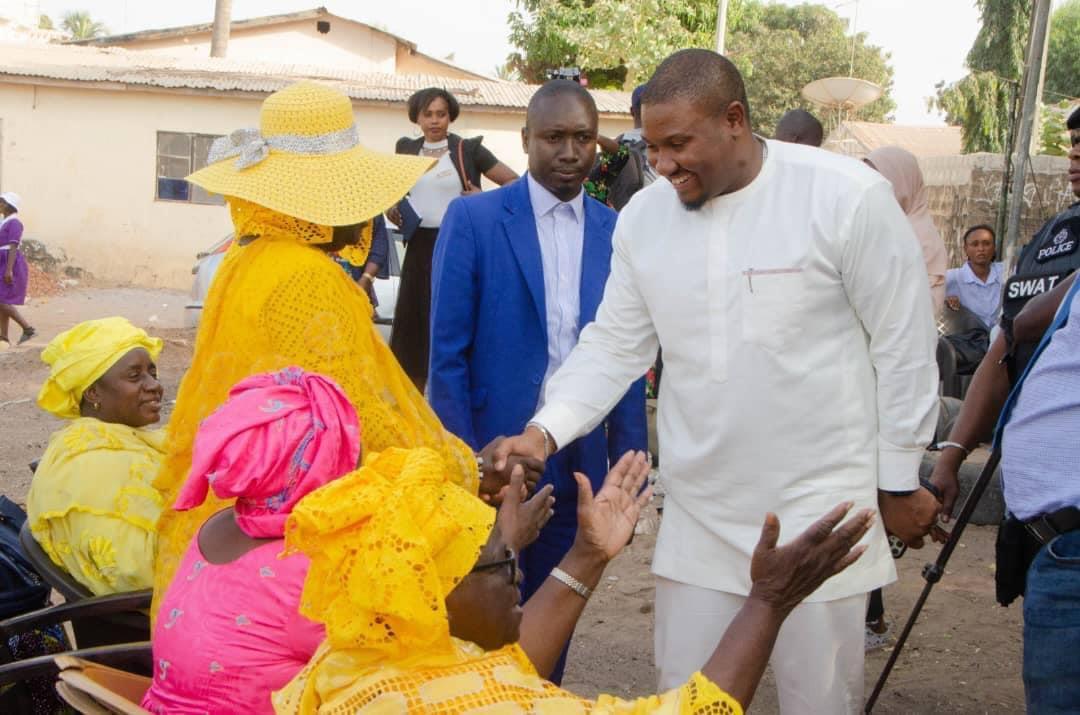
1042, 530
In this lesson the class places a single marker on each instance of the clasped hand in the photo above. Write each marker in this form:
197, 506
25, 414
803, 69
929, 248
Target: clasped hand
495, 475
909, 517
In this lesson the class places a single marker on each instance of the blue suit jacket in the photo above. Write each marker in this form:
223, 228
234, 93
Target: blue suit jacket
489, 327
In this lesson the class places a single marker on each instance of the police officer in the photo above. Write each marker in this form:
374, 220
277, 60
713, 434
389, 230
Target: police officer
1045, 261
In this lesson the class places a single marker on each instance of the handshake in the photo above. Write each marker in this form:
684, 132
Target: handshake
909, 517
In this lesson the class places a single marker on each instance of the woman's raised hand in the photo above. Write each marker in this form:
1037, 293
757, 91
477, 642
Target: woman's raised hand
783, 576
520, 520
606, 521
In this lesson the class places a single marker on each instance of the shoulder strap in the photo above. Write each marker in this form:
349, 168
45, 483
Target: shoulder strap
457, 158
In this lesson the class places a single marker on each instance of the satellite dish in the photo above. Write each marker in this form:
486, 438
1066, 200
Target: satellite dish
842, 93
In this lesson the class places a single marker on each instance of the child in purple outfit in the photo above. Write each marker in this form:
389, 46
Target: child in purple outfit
14, 268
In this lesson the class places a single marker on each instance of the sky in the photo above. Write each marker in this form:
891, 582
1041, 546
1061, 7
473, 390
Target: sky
928, 39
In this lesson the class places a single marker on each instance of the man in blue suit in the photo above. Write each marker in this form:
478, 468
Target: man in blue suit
517, 273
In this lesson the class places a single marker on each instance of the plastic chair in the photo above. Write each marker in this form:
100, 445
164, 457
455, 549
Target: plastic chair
135, 657
94, 628
96, 689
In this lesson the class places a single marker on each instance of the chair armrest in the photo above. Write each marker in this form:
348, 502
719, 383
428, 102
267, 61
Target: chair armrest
133, 657
94, 607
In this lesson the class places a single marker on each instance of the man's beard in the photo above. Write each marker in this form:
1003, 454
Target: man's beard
694, 205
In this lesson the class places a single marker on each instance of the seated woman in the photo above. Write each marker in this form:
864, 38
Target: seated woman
92, 506
229, 630
420, 597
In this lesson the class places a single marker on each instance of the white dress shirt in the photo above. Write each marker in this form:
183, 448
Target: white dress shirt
560, 226
799, 359
433, 192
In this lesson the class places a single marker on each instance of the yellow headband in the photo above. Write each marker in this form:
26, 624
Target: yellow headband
80, 356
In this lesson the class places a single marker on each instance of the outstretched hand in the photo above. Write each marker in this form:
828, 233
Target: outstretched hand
520, 520
606, 521
783, 576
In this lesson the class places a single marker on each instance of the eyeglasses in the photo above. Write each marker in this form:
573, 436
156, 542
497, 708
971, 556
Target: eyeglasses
510, 561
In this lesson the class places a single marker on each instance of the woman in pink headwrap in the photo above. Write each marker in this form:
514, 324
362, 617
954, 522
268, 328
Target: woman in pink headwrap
229, 631
902, 170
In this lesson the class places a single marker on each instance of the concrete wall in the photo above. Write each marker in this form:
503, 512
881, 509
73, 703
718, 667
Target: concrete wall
965, 191
346, 45
84, 161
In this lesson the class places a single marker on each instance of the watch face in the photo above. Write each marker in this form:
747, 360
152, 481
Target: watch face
896, 546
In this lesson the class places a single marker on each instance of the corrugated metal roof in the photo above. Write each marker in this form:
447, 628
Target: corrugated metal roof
115, 65
920, 141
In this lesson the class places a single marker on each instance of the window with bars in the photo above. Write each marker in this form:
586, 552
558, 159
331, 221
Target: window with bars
179, 154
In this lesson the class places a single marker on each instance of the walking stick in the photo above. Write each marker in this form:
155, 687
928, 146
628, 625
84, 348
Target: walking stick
933, 572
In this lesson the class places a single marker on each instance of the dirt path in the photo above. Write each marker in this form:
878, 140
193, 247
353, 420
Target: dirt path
964, 655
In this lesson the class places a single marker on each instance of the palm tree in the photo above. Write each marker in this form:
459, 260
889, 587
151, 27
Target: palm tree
81, 26
45, 23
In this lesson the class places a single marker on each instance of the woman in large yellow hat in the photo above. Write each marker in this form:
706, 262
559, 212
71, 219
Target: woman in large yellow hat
298, 188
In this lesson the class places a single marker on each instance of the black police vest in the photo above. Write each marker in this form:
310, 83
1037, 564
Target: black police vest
1044, 262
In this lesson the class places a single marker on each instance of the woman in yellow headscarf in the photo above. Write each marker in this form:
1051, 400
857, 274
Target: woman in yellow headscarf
298, 188
92, 506
420, 597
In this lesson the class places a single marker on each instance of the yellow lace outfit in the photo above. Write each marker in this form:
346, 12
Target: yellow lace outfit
276, 302
387, 543
91, 505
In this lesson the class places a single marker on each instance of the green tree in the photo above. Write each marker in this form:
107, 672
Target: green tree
1054, 135
785, 48
981, 103
81, 26
1063, 55
45, 23
618, 43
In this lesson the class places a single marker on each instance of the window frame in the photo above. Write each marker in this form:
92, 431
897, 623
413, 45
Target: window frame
194, 164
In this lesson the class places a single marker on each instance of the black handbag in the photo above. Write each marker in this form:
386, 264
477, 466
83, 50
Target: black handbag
23, 590
21, 587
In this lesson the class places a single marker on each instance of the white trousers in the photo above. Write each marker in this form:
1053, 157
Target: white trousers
817, 661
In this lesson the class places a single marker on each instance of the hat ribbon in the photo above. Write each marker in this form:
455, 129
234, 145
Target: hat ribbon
252, 147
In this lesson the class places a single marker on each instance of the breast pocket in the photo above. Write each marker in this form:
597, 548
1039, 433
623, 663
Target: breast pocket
772, 302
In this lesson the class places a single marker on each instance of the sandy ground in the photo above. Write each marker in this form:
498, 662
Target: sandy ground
963, 657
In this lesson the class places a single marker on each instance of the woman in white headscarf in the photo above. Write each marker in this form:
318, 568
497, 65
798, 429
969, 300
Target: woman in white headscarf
901, 168
13, 268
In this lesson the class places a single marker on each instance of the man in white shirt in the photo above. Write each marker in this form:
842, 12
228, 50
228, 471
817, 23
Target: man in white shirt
792, 303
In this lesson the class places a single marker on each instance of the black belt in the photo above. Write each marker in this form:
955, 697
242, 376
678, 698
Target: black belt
1048, 527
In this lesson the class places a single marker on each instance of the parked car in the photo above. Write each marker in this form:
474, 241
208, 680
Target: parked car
207, 262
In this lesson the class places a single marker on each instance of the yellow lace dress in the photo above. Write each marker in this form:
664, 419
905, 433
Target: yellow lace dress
92, 506
278, 301
387, 543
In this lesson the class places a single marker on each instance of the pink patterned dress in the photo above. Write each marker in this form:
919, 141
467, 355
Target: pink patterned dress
228, 635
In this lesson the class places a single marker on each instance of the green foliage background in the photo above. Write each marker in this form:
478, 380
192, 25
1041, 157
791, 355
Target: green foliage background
618, 43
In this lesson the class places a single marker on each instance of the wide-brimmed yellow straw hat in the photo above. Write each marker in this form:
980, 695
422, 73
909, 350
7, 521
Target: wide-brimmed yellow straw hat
306, 161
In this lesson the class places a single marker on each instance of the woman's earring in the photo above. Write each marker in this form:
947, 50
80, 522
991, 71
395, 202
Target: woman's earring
97, 406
